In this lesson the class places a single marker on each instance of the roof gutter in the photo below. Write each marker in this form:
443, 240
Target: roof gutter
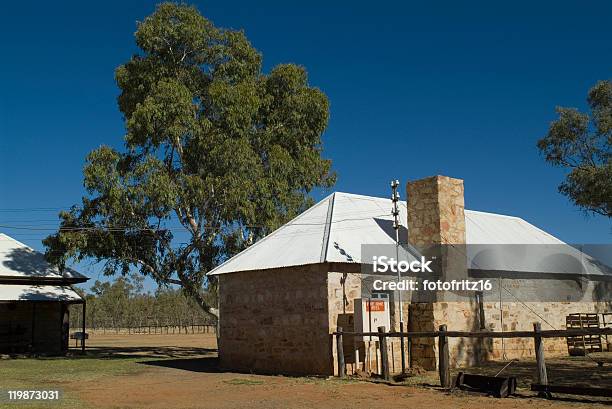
42, 280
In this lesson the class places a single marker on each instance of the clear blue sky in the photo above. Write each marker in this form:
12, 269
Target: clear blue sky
463, 90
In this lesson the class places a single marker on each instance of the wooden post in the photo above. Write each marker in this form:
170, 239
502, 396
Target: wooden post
356, 367
384, 361
409, 339
340, 353
443, 358
402, 347
366, 357
83, 339
32, 340
539, 351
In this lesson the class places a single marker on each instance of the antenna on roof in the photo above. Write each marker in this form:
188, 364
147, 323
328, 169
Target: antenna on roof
396, 225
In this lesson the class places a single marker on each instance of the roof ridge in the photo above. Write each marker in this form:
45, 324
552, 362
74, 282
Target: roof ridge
328, 225
274, 233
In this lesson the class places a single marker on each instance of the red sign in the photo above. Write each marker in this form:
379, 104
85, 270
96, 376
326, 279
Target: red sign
375, 306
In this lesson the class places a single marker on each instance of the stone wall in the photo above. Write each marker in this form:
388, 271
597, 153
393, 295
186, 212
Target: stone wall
458, 316
513, 316
275, 321
517, 317
342, 289
281, 321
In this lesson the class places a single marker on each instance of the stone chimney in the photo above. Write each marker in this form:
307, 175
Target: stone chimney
436, 211
436, 227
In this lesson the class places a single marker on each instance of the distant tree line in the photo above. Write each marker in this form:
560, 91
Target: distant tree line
124, 304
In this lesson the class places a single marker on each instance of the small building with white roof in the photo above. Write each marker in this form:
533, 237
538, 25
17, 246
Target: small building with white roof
34, 301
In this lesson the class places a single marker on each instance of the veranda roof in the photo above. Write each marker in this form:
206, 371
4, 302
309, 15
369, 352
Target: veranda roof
21, 292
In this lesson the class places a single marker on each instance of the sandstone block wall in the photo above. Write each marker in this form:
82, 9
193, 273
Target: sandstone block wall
342, 289
281, 321
460, 316
517, 317
275, 321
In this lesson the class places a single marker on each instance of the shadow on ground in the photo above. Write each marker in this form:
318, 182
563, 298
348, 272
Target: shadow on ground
205, 364
570, 371
210, 364
581, 371
165, 352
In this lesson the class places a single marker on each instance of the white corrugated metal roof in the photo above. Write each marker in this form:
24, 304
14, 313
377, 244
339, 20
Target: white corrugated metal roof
334, 229
20, 261
18, 292
296, 243
491, 228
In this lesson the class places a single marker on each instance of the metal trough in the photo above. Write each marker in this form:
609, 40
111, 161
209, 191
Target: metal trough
499, 387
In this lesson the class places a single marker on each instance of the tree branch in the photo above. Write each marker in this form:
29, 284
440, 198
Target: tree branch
153, 271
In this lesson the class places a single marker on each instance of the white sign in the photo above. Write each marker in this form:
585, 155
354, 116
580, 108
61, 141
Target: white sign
371, 313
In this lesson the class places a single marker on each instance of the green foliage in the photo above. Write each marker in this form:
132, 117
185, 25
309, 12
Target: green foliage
229, 152
583, 144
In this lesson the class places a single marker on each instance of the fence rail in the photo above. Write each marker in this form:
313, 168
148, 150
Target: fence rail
483, 334
444, 356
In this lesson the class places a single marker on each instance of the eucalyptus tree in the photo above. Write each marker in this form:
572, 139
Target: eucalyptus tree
582, 144
212, 143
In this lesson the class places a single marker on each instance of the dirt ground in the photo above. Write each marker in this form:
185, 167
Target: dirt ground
180, 371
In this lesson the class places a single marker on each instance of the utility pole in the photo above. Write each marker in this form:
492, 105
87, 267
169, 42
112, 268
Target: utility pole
396, 225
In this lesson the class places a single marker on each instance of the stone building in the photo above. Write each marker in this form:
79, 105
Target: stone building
34, 300
282, 298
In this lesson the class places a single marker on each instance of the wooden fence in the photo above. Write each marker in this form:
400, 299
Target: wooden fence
157, 329
443, 334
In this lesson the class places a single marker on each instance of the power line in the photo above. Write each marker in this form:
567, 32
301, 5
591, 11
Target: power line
32, 209
177, 228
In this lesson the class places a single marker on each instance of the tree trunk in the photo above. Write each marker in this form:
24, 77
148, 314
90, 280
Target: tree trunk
210, 311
